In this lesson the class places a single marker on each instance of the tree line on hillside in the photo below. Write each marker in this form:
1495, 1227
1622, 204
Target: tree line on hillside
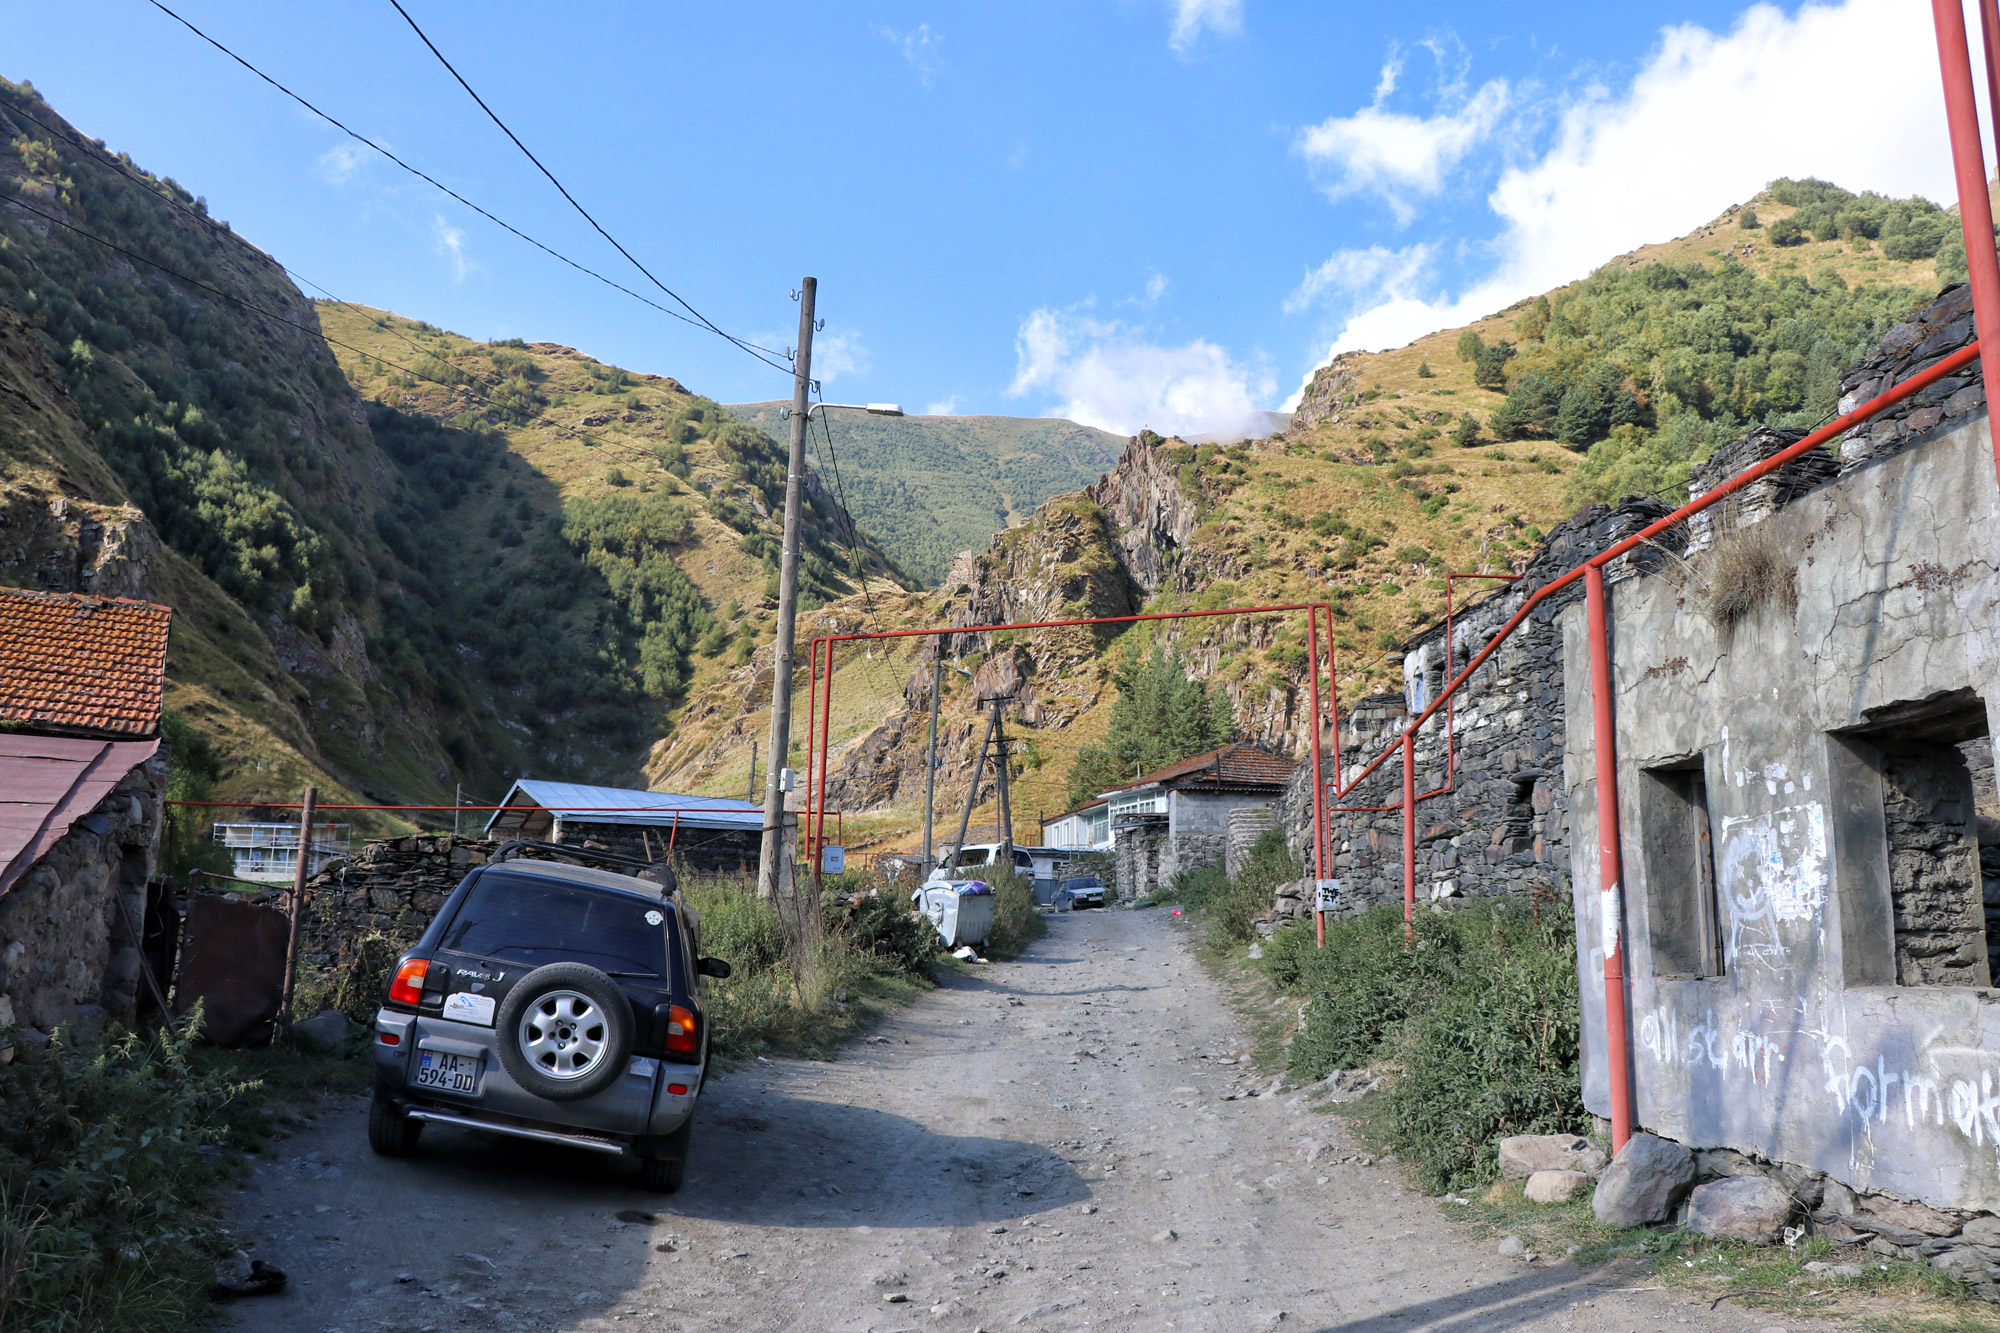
1650, 368
1160, 716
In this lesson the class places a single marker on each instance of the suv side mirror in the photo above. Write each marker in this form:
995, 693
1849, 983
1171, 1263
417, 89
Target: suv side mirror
712, 967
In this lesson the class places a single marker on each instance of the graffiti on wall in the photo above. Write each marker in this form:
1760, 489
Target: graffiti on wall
1773, 873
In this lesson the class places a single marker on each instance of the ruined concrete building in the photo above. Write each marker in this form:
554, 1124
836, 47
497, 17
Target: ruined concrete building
82, 787
1804, 688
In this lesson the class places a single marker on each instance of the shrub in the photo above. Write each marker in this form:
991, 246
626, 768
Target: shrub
105, 1201
1424, 371
1747, 220
1787, 231
1478, 1009
1017, 921
1230, 907
1466, 434
1489, 368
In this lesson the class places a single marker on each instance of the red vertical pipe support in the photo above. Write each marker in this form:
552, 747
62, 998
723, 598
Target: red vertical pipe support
812, 730
1610, 863
1409, 833
1975, 206
673, 833
1318, 778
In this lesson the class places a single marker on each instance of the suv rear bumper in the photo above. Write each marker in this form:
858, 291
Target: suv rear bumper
639, 1105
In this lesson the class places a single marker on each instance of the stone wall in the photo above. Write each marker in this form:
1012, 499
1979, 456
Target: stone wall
1501, 824
1247, 823
69, 928
390, 888
1136, 857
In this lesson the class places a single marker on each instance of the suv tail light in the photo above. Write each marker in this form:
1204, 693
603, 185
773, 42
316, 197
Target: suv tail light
408, 986
683, 1032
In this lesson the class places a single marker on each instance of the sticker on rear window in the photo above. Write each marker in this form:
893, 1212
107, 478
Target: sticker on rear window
654, 918
470, 1008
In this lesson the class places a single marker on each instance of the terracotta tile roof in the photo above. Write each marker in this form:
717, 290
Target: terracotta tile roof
82, 665
1237, 765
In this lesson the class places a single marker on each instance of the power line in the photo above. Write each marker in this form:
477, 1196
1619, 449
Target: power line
763, 354
560, 187
853, 533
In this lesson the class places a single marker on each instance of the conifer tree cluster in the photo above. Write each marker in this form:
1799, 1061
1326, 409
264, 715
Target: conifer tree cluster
1160, 716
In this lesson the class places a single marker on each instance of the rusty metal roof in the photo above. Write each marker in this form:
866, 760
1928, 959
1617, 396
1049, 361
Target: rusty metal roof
47, 783
81, 665
1237, 765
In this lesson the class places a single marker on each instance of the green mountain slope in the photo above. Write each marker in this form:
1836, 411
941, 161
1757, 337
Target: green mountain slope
930, 487
436, 583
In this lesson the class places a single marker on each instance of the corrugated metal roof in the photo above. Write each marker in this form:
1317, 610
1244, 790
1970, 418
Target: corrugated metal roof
620, 805
47, 783
76, 663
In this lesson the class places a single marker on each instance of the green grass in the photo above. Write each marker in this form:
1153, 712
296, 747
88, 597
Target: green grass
111, 1155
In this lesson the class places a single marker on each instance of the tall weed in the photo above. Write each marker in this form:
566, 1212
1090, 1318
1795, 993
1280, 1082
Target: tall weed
105, 1196
1017, 921
1230, 907
1478, 1013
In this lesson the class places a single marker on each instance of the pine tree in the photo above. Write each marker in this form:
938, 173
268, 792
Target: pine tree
1159, 717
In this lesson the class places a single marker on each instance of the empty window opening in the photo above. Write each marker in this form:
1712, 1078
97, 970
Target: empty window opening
1514, 835
1938, 900
1978, 756
1684, 916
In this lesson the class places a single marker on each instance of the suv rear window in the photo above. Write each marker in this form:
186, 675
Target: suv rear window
529, 920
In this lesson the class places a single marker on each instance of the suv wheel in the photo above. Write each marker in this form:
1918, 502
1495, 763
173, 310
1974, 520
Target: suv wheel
391, 1131
565, 1032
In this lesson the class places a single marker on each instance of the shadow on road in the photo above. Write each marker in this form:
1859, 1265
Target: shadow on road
773, 1160
1520, 1300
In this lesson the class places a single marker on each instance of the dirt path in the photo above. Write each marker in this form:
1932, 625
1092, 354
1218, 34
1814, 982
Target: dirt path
1046, 1145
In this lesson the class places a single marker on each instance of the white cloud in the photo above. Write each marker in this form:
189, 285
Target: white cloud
920, 48
1396, 155
1156, 287
1708, 120
450, 242
1377, 270
947, 407
838, 353
1110, 375
1192, 16
339, 163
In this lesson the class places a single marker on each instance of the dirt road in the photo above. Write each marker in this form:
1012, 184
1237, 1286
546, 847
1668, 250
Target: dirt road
1049, 1144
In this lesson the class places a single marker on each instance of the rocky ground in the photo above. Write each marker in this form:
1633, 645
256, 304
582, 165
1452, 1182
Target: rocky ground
1059, 1143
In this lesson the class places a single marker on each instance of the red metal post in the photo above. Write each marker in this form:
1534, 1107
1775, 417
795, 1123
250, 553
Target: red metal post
1975, 206
1611, 901
1318, 782
673, 833
812, 730
1409, 833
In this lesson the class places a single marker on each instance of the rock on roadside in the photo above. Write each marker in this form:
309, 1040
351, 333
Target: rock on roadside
1747, 1208
1556, 1186
1523, 1155
1644, 1182
326, 1029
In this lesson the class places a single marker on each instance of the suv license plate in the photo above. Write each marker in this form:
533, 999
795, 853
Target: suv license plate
451, 1073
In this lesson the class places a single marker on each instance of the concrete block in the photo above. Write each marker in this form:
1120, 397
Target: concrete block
1555, 1186
1522, 1155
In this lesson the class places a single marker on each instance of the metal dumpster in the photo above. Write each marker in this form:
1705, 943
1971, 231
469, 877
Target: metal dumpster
960, 909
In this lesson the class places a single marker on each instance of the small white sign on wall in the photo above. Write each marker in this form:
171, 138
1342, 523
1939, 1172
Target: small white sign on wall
833, 860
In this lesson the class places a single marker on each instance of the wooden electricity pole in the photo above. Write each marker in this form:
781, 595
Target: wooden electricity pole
299, 875
930, 757
772, 852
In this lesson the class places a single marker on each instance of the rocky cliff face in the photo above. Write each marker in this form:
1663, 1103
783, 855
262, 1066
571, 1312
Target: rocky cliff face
1330, 392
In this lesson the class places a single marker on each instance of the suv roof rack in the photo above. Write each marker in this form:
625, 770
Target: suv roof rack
660, 874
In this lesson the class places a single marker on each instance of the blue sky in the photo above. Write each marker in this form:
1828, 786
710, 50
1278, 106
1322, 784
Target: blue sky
1131, 212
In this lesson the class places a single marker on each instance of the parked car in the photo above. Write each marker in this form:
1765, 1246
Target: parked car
555, 1002
1080, 891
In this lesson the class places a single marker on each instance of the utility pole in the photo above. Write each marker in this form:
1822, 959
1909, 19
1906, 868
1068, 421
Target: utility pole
750, 792
930, 754
788, 607
1006, 828
972, 792
299, 875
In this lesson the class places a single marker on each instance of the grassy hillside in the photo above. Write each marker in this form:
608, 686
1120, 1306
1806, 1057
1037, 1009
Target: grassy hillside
500, 560
1677, 347
930, 487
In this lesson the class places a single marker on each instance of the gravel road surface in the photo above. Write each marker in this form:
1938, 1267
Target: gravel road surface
1063, 1142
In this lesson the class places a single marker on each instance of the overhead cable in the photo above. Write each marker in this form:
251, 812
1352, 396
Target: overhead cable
564, 190
763, 354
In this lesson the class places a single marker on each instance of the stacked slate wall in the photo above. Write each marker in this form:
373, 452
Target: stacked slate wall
1502, 824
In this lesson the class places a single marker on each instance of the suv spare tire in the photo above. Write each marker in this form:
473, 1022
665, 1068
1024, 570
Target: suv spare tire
564, 1032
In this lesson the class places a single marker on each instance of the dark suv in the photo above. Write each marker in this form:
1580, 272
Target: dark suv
551, 1001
